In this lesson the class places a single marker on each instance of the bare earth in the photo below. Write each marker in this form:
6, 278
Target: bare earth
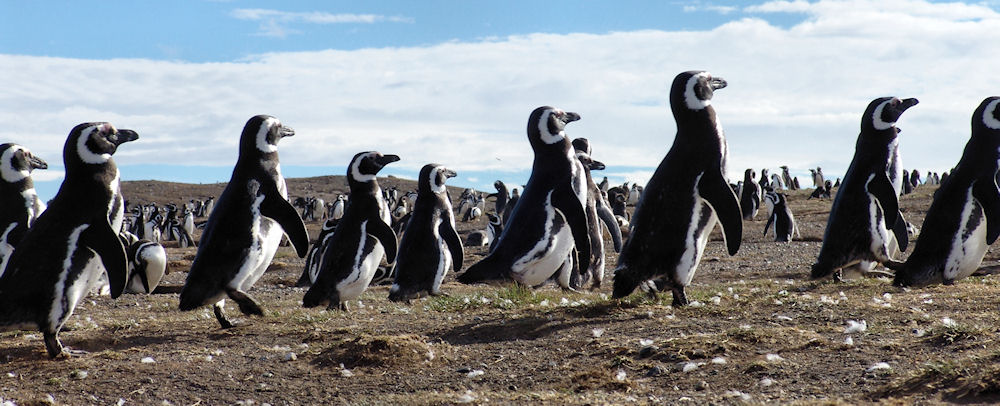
759, 332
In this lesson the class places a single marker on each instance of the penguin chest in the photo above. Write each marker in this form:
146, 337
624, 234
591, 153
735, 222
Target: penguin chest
6, 246
80, 271
444, 257
876, 223
702, 222
368, 255
265, 236
969, 243
33, 204
550, 250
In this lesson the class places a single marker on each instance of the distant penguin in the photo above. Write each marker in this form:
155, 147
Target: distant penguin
781, 217
549, 220
907, 187
604, 185
764, 181
685, 197
819, 179
72, 243
509, 207
19, 203
147, 263
749, 195
964, 218
837, 183
915, 178
351, 257
812, 176
338, 207
598, 212
246, 226
633, 194
866, 206
795, 183
786, 178
776, 183
502, 196
430, 246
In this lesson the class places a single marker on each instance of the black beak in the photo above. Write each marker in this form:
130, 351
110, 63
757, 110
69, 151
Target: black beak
448, 173
126, 136
36, 162
386, 159
570, 117
907, 103
286, 132
717, 83
596, 166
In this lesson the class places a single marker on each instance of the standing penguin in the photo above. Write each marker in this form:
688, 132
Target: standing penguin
685, 197
598, 212
19, 203
430, 245
786, 177
502, 196
548, 220
351, 256
964, 218
72, 243
866, 206
782, 218
749, 195
246, 226
147, 263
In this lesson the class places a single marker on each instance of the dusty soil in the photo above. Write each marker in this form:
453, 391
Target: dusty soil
758, 332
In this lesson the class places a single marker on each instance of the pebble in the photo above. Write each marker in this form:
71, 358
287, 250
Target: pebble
656, 371
148, 360
290, 356
78, 374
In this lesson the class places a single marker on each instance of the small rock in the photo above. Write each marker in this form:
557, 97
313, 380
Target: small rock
700, 386
689, 366
78, 374
290, 356
719, 361
856, 327
645, 342
773, 358
148, 360
648, 351
474, 373
656, 371
766, 382
464, 370
849, 341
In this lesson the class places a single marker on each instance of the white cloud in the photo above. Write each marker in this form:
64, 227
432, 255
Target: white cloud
273, 21
47, 175
795, 94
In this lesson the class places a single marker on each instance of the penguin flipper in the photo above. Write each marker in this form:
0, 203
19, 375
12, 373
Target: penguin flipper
569, 204
989, 198
384, 234
880, 187
450, 237
768, 225
899, 230
487, 269
281, 211
609, 220
105, 242
713, 188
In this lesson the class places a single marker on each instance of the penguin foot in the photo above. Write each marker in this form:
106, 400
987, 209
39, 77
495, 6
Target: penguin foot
838, 276
680, 299
247, 305
220, 315
338, 305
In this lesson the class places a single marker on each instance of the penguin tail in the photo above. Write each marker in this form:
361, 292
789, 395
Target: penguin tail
317, 296
488, 269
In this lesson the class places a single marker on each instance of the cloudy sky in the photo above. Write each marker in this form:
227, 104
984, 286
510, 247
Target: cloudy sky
453, 82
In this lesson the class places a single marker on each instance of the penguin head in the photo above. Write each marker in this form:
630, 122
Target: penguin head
433, 177
546, 126
366, 165
500, 186
262, 133
693, 90
94, 143
582, 145
882, 113
987, 115
17, 162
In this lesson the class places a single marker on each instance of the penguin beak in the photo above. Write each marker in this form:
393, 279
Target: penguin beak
717, 83
126, 136
386, 159
907, 103
596, 166
448, 173
36, 162
286, 132
570, 117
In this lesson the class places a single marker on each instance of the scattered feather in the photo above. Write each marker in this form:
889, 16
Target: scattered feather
620, 376
856, 327
773, 358
148, 360
879, 366
766, 382
475, 372
948, 322
719, 360
597, 332
849, 341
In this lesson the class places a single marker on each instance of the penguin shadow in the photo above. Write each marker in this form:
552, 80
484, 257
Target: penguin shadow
500, 329
35, 349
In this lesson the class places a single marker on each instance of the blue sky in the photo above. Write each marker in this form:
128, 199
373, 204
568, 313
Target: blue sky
453, 81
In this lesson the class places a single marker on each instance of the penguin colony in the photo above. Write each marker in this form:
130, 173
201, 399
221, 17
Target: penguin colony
553, 230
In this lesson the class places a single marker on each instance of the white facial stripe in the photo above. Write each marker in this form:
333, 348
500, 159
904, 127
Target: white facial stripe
356, 170
265, 127
988, 115
877, 117
543, 128
86, 155
436, 188
10, 174
690, 97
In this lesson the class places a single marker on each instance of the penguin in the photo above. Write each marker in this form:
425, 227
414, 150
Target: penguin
147, 263
684, 199
246, 226
749, 195
781, 217
502, 196
907, 187
19, 203
598, 212
786, 178
964, 217
764, 181
509, 207
812, 175
71, 244
338, 207
866, 207
430, 246
351, 257
549, 219
311, 268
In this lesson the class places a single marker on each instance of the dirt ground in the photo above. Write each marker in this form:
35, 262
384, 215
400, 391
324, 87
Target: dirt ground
758, 331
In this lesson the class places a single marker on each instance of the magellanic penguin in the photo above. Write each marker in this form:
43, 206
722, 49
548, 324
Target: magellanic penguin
351, 256
502, 196
598, 211
964, 218
246, 226
749, 195
684, 198
147, 263
782, 218
311, 269
866, 207
430, 246
548, 221
72, 243
19, 203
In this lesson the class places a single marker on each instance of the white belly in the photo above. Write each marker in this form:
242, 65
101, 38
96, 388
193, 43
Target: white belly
87, 279
364, 269
548, 254
265, 236
877, 228
6, 248
969, 244
444, 261
694, 243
